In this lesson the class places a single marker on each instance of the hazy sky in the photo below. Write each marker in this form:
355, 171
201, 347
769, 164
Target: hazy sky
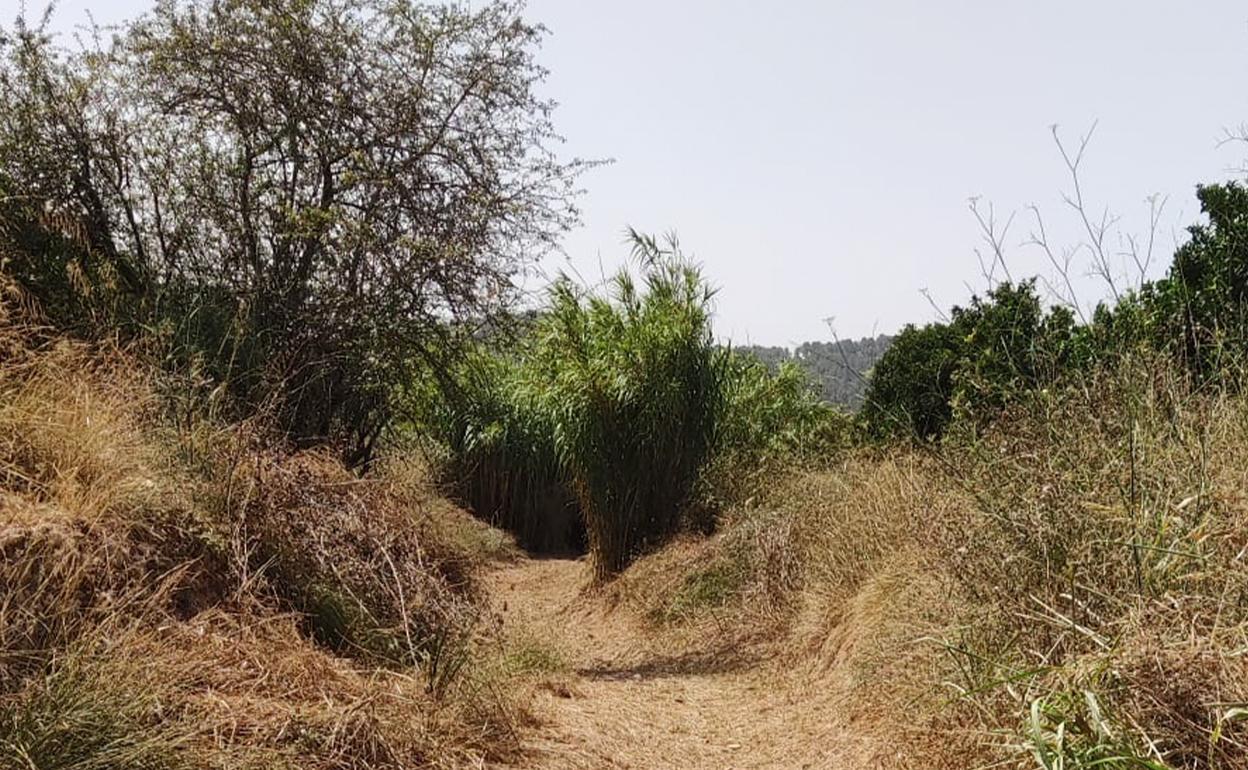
817, 157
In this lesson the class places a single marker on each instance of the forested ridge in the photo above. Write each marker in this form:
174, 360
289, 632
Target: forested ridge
841, 368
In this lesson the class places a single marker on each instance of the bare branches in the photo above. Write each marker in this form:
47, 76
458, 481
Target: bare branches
1095, 230
994, 238
1156, 205
940, 312
1095, 242
1067, 294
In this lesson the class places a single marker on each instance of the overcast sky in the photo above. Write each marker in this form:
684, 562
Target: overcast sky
817, 157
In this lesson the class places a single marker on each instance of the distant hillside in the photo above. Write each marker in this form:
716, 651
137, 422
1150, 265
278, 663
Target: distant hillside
841, 368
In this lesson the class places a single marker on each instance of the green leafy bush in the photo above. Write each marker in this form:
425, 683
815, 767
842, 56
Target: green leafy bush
911, 390
772, 421
988, 353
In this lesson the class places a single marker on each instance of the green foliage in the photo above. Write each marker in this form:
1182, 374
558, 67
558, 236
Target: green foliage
615, 416
775, 414
1198, 312
988, 353
81, 716
1006, 344
772, 419
911, 390
1010, 345
494, 438
1070, 731
840, 369
294, 197
633, 386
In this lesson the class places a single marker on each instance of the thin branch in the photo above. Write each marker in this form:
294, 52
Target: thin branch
1095, 231
994, 239
1040, 238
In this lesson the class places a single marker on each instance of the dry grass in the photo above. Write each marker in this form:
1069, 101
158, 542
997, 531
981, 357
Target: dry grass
410, 477
354, 559
174, 595
90, 524
233, 690
1067, 589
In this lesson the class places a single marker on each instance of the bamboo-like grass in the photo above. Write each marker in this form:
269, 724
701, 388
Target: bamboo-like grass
499, 455
615, 411
604, 418
607, 420
631, 386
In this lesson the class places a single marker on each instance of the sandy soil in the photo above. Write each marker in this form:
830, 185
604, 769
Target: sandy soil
637, 700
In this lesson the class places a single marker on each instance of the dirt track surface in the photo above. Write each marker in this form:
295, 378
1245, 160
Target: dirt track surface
636, 701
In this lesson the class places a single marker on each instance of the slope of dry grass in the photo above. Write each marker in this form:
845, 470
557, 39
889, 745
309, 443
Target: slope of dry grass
1065, 589
175, 594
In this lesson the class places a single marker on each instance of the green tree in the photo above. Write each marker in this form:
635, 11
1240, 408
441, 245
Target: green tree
994, 349
1200, 309
328, 182
911, 388
1010, 345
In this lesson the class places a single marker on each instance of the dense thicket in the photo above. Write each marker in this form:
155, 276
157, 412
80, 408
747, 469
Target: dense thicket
296, 195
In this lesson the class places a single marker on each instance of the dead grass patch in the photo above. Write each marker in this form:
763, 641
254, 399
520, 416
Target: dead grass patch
173, 593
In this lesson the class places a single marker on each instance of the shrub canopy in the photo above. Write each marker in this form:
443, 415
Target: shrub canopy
302, 193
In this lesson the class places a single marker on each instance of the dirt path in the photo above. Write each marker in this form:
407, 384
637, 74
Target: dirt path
635, 701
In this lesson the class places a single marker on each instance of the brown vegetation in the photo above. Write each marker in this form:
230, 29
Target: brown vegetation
1063, 589
176, 597
1063, 586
